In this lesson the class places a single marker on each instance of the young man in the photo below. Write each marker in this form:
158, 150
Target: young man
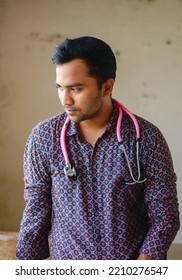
95, 208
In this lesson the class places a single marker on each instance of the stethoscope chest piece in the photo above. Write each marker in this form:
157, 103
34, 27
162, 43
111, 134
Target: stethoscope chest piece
69, 171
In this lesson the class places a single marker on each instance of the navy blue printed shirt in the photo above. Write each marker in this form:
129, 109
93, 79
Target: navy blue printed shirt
96, 214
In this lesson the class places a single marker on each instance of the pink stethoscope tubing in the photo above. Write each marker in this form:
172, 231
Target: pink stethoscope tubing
63, 140
70, 171
120, 108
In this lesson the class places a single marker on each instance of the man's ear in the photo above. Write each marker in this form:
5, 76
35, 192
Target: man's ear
107, 87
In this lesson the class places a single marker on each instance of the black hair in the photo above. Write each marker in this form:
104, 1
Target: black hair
98, 56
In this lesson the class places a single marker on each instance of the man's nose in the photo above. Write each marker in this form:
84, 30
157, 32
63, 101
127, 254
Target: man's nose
66, 97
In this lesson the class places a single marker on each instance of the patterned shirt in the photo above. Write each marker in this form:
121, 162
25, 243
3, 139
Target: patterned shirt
99, 213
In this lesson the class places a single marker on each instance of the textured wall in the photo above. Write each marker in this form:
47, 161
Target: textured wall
146, 36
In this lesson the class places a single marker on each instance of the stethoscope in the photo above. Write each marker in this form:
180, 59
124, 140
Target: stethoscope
70, 171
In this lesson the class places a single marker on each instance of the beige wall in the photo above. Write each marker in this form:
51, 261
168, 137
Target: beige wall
146, 37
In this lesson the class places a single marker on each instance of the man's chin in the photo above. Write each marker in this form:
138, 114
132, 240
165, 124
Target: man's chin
75, 119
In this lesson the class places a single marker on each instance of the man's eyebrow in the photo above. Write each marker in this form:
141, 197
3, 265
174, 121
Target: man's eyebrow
71, 85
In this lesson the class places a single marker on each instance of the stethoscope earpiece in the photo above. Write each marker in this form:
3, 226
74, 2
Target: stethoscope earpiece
70, 171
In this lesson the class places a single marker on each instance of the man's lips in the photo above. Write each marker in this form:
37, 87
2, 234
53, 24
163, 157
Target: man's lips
70, 111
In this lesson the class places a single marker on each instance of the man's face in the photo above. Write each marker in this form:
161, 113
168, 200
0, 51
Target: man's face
78, 92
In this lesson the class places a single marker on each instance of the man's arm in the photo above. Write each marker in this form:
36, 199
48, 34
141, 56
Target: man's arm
160, 196
36, 222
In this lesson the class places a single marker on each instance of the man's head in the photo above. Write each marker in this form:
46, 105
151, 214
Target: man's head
97, 55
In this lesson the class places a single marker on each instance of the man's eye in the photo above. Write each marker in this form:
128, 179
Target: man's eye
59, 87
75, 89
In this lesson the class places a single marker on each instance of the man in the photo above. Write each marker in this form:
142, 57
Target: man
95, 209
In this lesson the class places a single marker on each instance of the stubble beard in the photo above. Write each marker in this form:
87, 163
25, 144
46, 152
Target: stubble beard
93, 113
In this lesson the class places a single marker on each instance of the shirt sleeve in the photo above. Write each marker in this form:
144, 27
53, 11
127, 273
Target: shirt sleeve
160, 196
35, 225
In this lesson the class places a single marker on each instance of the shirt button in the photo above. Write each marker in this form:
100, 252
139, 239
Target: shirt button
123, 181
94, 180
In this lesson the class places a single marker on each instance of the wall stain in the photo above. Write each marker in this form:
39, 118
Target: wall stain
117, 53
168, 42
28, 48
149, 96
49, 38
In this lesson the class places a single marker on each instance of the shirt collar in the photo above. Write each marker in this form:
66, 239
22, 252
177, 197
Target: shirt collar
111, 125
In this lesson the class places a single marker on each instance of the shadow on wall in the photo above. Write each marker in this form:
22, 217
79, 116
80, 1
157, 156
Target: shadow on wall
8, 244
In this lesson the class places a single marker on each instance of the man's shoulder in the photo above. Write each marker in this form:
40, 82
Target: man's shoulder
143, 123
50, 124
146, 124
149, 130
